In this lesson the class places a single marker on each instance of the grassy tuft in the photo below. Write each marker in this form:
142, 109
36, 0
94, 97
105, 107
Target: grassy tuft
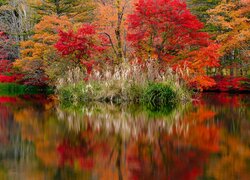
158, 96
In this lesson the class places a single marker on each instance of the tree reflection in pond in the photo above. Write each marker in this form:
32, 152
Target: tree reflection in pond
173, 146
101, 141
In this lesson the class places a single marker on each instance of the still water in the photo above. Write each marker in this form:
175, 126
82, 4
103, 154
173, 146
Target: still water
207, 139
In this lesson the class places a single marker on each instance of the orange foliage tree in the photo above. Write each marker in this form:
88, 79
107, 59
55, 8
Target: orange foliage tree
110, 18
38, 53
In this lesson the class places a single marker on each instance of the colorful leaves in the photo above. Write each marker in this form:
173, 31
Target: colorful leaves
167, 31
229, 83
82, 46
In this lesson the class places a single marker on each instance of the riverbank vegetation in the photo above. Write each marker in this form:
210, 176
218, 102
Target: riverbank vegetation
142, 51
127, 85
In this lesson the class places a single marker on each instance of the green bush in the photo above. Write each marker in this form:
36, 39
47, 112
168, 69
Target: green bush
158, 96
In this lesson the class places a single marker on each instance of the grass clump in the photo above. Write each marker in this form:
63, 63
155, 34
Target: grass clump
158, 96
72, 94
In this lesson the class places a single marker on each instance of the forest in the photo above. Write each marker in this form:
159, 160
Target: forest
125, 89
118, 49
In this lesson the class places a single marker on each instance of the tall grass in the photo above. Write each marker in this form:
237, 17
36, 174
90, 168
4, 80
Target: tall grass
126, 83
159, 96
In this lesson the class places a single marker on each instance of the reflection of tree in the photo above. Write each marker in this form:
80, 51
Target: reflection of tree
4, 116
178, 155
233, 160
167, 154
231, 110
44, 134
110, 142
15, 154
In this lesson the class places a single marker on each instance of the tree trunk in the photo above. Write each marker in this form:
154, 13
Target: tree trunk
118, 32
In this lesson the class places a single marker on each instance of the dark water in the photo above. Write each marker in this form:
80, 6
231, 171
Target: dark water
208, 139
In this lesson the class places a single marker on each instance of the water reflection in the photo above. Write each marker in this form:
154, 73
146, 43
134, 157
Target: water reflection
130, 122
208, 139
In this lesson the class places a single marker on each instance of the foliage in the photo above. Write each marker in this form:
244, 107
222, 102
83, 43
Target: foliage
228, 83
10, 78
232, 20
81, 47
111, 20
167, 31
7, 50
120, 32
7, 73
5, 66
39, 53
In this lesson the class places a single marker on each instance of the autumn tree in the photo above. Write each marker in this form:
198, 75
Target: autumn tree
80, 47
5, 53
110, 18
38, 53
166, 30
5, 46
232, 18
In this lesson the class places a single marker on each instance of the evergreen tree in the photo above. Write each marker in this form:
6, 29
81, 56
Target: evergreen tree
79, 10
200, 7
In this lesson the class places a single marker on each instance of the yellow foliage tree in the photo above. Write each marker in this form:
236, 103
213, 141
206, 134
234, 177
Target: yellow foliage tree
38, 52
232, 20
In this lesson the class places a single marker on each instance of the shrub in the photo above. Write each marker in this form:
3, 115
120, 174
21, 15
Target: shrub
159, 96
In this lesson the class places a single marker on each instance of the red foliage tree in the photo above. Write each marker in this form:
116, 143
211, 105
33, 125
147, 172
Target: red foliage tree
4, 42
6, 65
167, 31
81, 46
7, 47
229, 83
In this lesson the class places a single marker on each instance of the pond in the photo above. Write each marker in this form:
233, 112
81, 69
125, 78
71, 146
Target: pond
207, 139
